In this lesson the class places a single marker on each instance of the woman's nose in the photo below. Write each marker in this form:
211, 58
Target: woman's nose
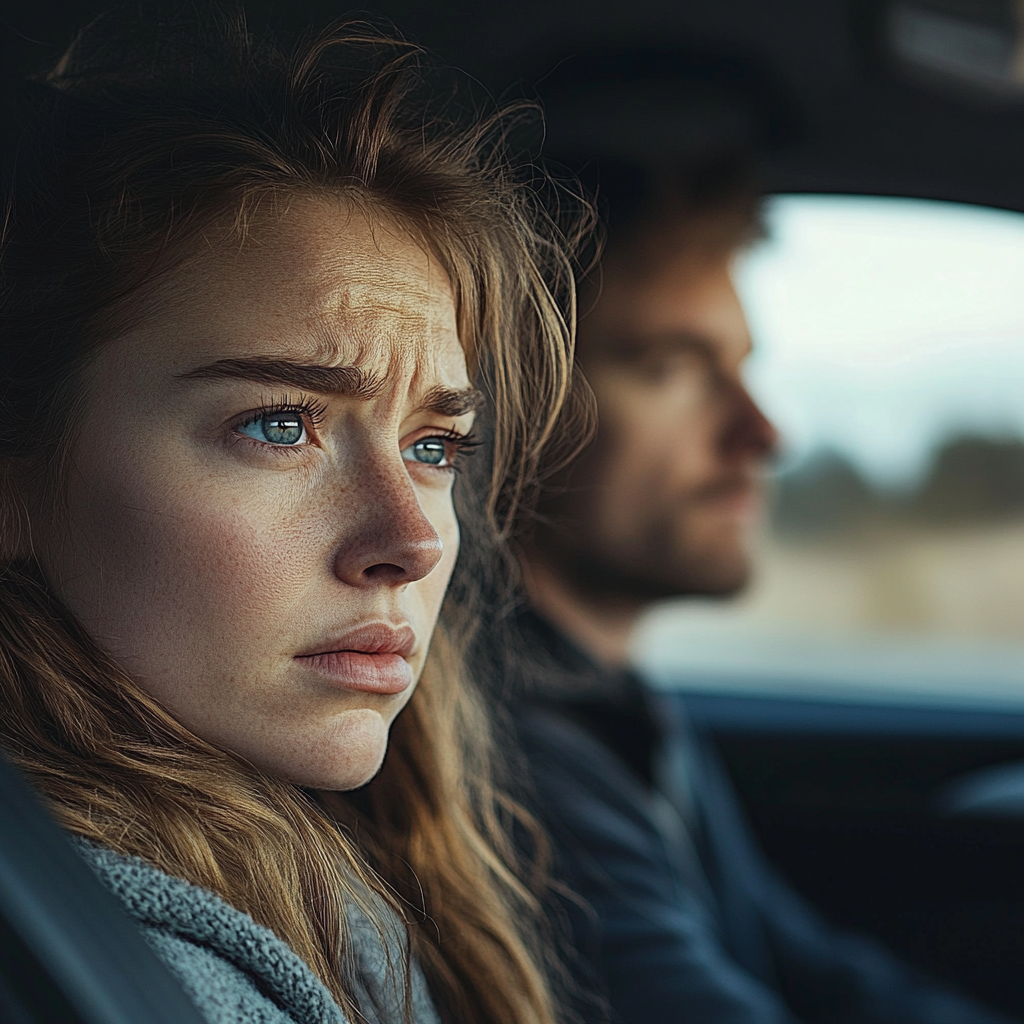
393, 541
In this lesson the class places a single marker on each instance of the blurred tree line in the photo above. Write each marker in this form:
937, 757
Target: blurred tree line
972, 480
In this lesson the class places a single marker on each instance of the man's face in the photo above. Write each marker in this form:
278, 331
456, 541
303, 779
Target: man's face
662, 502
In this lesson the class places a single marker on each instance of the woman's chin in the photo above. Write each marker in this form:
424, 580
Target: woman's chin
346, 754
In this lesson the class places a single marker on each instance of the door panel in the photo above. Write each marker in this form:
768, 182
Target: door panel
852, 802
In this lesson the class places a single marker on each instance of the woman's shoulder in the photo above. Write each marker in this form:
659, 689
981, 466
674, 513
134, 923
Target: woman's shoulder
233, 968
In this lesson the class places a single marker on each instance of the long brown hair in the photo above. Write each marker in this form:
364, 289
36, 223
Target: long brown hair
146, 131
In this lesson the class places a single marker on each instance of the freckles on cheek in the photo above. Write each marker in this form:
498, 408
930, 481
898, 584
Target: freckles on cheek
451, 540
440, 510
434, 585
245, 567
197, 555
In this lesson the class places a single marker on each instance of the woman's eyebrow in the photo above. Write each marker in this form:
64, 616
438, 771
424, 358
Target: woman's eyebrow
350, 381
452, 401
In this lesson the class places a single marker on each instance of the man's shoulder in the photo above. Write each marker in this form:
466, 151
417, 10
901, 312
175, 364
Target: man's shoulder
553, 730
570, 766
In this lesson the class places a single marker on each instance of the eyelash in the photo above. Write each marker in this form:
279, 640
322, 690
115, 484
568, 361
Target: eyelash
313, 410
463, 443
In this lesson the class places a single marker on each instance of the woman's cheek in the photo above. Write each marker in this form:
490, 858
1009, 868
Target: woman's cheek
251, 560
441, 514
211, 557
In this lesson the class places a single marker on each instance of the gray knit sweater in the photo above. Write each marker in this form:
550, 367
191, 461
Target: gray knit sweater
237, 971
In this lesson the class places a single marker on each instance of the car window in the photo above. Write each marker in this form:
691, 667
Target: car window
890, 353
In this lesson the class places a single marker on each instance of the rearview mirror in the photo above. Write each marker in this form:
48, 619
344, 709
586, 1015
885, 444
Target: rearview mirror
967, 44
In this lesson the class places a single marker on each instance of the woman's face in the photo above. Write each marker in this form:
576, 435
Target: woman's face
258, 522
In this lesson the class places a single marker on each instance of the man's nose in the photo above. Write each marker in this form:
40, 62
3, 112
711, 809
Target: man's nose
393, 542
748, 432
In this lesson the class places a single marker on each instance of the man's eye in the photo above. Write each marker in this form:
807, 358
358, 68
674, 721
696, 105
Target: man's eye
285, 428
676, 364
432, 451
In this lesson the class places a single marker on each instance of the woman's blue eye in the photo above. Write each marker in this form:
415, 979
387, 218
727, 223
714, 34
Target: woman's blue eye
285, 428
431, 450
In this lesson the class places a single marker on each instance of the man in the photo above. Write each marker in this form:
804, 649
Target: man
689, 922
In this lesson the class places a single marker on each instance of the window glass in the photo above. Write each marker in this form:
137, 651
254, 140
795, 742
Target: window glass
890, 353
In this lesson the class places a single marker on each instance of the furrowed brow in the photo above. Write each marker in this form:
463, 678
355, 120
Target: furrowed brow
452, 401
350, 381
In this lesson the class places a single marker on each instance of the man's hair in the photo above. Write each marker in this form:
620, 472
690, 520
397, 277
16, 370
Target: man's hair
660, 140
712, 210
150, 129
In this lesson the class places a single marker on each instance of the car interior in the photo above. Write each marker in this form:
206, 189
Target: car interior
68, 952
884, 778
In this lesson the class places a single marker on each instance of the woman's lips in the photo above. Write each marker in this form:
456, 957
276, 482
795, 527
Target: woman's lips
362, 672
367, 659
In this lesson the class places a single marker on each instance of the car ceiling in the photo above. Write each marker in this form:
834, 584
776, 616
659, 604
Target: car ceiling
858, 124
847, 120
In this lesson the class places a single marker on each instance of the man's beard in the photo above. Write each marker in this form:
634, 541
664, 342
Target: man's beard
664, 566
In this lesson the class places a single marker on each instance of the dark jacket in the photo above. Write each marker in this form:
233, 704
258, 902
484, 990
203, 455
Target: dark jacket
690, 923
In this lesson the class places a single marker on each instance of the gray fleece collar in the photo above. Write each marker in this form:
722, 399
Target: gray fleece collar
157, 900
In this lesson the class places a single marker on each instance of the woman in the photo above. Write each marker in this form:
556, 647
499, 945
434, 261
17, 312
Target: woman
249, 302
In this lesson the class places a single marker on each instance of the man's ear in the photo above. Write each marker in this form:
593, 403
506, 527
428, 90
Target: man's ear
15, 521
